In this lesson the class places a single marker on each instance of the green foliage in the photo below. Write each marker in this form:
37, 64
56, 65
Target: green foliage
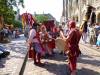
15, 3
17, 23
6, 9
41, 18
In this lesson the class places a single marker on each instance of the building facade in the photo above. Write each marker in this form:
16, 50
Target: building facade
77, 9
64, 16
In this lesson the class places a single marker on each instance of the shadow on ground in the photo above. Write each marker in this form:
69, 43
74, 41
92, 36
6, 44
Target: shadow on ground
58, 66
93, 62
57, 57
56, 69
85, 71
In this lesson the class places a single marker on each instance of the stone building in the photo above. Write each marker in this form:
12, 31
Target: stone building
64, 16
96, 4
77, 9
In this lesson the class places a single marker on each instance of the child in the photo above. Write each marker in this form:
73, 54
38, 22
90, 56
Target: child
98, 40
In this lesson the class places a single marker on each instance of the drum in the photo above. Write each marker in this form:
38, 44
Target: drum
60, 44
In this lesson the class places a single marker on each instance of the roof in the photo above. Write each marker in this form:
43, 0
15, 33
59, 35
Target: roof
50, 17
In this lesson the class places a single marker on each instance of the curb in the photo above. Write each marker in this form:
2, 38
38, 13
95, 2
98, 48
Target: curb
23, 65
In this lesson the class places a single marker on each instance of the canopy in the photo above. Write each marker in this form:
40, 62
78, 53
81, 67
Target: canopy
27, 19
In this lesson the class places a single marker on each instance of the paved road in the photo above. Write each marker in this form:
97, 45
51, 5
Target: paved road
53, 66
88, 64
13, 64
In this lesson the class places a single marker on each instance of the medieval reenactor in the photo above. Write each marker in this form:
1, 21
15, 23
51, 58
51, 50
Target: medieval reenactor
35, 45
73, 50
45, 39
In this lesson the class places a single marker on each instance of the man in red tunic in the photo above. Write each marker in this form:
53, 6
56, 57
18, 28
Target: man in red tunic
73, 41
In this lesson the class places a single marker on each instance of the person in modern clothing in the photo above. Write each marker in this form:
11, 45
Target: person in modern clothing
3, 52
97, 28
92, 35
98, 40
84, 34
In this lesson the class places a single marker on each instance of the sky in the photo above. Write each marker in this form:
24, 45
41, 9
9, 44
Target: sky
53, 7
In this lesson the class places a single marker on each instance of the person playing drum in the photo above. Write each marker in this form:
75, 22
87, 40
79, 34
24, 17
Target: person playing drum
72, 41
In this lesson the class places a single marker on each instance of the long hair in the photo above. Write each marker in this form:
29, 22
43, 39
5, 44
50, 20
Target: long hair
35, 26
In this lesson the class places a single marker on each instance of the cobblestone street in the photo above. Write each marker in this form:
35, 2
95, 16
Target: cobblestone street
53, 66
88, 64
13, 63
49, 37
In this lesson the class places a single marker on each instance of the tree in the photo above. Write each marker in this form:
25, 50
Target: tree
6, 9
15, 3
41, 18
17, 24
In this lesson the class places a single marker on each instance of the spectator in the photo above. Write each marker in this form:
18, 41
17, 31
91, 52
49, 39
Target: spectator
14, 34
84, 34
3, 52
98, 40
5, 30
97, 28
92, 35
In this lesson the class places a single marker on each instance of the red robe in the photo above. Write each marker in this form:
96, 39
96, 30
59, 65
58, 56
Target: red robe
74, 36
